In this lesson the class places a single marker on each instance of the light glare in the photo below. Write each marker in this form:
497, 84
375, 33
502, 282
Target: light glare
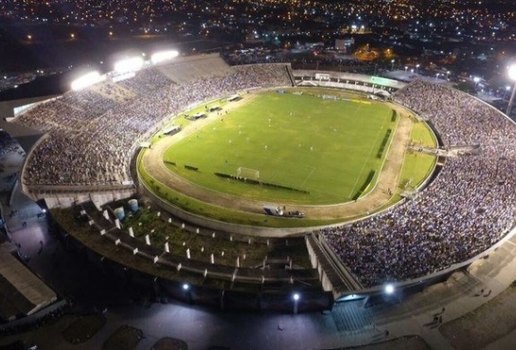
87, 80
127, 65
163, 56
512, 72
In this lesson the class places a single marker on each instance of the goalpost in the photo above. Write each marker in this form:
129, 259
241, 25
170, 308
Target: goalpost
248, 173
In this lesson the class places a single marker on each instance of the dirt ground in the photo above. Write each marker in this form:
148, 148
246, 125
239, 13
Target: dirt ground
386, 185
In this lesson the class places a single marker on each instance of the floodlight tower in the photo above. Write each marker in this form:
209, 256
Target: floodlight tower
512, 76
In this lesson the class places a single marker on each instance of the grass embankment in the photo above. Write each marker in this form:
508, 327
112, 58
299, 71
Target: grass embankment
418, 166
215, 212
251, 252
91, 238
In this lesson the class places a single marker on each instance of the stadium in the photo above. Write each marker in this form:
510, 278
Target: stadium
248, 186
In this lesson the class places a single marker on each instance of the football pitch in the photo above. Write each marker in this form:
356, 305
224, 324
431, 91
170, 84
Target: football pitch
300, 148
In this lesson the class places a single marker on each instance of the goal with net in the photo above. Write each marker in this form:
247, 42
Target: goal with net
248, 173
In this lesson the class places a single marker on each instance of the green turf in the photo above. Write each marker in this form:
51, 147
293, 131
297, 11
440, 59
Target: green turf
422, 135
324, 147
418, 166
198, 207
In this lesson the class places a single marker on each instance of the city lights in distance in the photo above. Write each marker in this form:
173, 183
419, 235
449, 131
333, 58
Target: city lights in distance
127, 65
163, 56
87, 80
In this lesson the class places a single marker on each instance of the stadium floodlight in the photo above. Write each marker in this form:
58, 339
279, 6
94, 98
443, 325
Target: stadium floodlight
512, 75
295, 297
128, 65
512, 72
389, 289
87, 80
163, 56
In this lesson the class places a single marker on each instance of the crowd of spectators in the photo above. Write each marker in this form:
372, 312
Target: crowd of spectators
92, 135
465, 210
469, 207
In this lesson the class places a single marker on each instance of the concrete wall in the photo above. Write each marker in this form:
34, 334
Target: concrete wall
65, 200
325, 281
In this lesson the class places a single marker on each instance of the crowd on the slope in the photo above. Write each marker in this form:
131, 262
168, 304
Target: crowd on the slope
468, 208
92, 135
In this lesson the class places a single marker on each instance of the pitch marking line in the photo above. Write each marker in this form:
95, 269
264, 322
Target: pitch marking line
308, 176
367, 159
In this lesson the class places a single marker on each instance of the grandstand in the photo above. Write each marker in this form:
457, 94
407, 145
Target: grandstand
92, 135
466, 210
350, 81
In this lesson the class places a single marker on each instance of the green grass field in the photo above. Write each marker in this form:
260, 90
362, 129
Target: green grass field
325, 147
418, 166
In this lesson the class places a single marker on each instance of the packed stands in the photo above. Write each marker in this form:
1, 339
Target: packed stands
93, 133
468, 208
